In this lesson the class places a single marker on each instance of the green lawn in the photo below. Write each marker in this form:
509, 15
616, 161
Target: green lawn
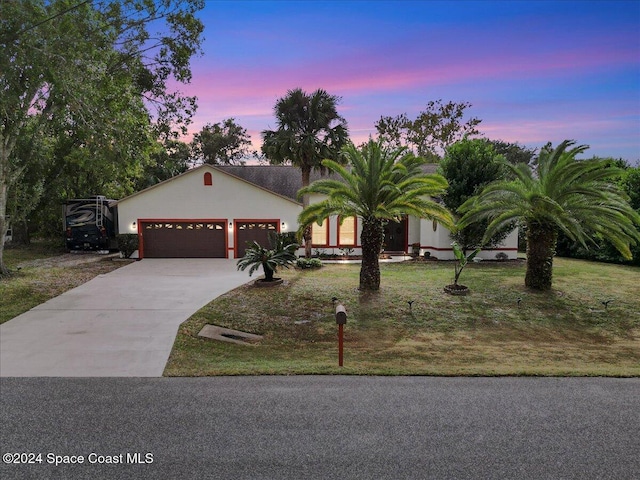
567, 331
36, 283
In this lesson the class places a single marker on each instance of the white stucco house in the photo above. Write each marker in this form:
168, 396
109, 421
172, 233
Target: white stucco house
214, 211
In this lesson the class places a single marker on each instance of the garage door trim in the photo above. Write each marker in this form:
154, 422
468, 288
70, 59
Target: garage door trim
142, 221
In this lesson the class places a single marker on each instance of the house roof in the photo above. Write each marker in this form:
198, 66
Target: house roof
283, 179
206, 167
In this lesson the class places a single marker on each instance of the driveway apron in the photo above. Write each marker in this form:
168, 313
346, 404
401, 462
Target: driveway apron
121, 324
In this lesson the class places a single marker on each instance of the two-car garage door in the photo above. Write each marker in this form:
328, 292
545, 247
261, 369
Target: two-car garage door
200, 238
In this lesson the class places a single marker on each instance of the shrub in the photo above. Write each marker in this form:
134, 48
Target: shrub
127, 244
289, 238
347, 251
604, 251
305, 263
501, 256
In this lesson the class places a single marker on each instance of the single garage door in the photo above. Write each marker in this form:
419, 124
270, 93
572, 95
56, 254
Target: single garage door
250, 231
181, 239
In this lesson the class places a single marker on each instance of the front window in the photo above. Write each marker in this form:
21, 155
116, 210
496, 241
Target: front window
347, 232
319, 234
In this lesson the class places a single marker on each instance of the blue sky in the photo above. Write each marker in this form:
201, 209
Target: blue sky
534, 71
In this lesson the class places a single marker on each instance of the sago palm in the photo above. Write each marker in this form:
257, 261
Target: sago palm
281, 255
577, 197
377, 185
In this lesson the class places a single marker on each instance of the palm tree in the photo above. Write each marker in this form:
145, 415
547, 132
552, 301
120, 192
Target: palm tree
577, 197
378, 185
309, 130
281, 255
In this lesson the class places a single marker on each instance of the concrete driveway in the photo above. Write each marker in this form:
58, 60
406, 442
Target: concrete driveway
122, 324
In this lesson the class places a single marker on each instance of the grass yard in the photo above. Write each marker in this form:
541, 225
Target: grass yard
567, 331
42, 277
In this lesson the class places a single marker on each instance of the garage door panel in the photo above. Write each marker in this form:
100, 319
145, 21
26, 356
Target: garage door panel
184, 239
250, 231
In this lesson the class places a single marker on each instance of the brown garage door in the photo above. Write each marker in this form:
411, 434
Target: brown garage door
250, 231
180, 239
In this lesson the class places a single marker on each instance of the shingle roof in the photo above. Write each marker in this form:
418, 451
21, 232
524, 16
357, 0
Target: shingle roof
281, 179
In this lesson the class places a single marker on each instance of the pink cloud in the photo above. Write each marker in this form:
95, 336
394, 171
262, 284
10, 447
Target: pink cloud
253, 90
377, 83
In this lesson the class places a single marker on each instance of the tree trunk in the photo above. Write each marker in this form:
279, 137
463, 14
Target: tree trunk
371, 239
306, 234
5, 149
541, 246
268, 273
3, 227
20, 233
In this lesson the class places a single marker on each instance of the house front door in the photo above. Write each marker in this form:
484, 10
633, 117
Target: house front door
395, 236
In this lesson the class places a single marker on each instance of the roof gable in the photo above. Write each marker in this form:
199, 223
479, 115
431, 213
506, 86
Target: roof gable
203, 169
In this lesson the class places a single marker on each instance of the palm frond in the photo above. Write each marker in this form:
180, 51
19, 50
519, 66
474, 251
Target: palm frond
377, 183
577, 197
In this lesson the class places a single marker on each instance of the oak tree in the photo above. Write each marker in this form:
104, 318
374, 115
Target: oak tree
433, 130
95, 66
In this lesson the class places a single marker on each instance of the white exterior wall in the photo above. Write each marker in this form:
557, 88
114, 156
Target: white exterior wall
509, 246
413, 224
438, 243
227, 199
230, 198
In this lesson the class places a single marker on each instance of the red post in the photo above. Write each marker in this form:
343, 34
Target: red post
340, 338
341, 319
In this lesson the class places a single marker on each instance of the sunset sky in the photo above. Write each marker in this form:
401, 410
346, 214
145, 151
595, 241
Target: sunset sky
534, 71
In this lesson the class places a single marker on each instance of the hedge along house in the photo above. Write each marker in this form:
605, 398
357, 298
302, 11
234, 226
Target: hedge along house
215, 211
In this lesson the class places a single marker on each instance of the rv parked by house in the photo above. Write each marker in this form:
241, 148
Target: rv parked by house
90, 223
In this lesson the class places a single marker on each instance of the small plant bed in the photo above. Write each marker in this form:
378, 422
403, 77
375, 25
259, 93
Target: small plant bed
462, 261
411, 327
338, 258
456, 289
421, 259
264, 283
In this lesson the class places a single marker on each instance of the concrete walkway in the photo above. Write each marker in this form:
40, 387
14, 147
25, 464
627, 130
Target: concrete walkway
122, 324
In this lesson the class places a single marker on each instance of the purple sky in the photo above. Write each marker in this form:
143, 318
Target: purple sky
535, 71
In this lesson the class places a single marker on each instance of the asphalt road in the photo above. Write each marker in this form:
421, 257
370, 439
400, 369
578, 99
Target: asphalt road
321, 428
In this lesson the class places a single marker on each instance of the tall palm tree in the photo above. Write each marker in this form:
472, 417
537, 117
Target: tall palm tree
377, 185
309, 130
577, 197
